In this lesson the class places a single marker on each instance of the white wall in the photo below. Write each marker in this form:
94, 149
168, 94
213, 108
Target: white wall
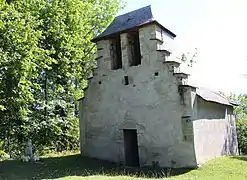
214, 131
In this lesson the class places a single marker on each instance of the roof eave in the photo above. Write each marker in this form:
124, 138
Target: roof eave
165, 29
212, 101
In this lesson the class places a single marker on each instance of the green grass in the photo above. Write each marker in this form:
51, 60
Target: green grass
75, 167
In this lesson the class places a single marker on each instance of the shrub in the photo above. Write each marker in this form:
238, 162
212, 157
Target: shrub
3, 155
241, 126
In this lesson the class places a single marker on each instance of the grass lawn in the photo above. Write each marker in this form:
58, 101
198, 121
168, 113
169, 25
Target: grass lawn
75, 167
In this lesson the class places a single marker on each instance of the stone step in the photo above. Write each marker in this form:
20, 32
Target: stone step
173, 66
161, 45
163, 55
182, 78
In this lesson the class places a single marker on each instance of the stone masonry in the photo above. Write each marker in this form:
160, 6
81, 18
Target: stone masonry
150, 103
173, 124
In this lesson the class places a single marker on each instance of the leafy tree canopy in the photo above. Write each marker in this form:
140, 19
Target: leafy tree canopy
45, 58
241, 120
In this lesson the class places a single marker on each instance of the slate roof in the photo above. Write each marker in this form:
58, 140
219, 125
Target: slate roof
133, 19
209, 95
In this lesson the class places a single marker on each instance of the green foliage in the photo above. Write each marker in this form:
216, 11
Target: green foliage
45, 58
3, 155
241, 121
242, 136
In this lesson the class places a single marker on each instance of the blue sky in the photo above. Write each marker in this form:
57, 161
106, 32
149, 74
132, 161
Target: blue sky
217, 28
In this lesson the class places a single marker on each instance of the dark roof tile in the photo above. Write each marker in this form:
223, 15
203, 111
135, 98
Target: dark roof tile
131, 20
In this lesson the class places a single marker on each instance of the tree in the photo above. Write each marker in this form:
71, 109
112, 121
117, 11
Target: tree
46, 56
240, 112
19, 59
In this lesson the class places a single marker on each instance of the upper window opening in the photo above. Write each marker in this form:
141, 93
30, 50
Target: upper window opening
134, 45
116, 56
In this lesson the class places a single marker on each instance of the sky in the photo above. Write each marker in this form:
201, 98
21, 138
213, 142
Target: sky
217, 28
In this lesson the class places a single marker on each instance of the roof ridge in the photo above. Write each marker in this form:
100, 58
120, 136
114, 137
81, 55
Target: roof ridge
149, 6
131, 20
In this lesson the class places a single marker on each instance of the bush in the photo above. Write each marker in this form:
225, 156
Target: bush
240, 112
242, 136
3, 155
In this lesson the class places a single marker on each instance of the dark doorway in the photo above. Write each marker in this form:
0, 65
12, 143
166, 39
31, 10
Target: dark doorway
131, 148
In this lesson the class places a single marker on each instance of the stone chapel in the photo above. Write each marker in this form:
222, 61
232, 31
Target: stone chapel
139, 109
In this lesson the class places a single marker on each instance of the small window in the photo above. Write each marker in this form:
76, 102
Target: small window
134, 47
126, 80
116, 56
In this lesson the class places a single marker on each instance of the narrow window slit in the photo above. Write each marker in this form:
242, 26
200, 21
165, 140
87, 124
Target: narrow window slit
126, 80
98, 58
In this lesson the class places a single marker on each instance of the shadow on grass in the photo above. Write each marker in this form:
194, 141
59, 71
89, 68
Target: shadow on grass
76, 165
242, 158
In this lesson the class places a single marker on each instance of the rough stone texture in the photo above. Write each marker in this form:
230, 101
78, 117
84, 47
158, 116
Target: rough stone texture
150, 104
104, 55
175, 127
125, 50
189, 113
214, 131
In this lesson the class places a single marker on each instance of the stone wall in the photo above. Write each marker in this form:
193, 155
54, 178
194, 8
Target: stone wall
150, 103
189, 111
214, 131
166, 40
